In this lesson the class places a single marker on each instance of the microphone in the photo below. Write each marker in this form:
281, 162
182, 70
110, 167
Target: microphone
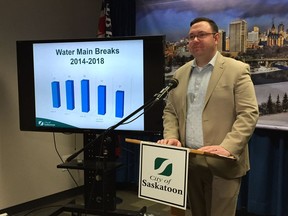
173, 83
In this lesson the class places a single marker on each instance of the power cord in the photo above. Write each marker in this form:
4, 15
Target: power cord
59, 155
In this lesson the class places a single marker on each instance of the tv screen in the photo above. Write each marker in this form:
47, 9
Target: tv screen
89, 85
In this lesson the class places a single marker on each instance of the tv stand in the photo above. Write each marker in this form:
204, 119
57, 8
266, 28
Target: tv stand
99, 182
103, 202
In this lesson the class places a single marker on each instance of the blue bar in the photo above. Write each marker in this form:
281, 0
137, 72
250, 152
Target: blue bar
101, 100
85, 95
70, 101
56, 94
119, 112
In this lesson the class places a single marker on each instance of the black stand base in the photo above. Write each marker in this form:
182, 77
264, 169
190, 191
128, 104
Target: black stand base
78, 210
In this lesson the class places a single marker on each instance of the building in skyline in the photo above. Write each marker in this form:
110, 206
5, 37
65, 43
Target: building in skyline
222, 41
238, 36
276, 38
253, 39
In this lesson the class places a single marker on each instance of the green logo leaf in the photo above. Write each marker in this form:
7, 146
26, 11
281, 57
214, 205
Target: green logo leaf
163, 168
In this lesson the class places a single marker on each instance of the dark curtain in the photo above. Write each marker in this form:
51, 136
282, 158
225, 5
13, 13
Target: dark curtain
264, 190
123, 17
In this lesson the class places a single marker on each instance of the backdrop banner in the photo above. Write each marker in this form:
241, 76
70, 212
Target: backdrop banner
253, 32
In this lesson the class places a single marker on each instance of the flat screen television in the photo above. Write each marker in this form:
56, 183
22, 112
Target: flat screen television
89, 85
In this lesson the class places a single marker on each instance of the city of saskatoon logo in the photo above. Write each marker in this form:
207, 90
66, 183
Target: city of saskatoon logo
162, 180
163, 166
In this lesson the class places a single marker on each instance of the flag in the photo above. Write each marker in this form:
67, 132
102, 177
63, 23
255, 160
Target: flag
104, 24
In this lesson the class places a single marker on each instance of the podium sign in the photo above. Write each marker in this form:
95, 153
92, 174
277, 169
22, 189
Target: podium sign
163, 174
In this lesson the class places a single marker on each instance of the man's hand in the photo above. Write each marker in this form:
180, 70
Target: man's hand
215, 149
173, 142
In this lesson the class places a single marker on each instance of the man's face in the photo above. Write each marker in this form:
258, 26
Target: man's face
202, 40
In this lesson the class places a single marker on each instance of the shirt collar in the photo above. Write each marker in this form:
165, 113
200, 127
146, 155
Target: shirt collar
211, 62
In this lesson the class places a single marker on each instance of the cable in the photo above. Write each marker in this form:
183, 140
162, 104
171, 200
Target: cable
56, 149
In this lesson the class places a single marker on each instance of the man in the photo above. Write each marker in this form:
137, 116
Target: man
213, 109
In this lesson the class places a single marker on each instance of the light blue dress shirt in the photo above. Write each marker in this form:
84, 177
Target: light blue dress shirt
197, 87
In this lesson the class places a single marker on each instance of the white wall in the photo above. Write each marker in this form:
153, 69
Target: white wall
28, 160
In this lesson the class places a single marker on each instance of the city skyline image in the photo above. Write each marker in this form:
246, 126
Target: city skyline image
255, 32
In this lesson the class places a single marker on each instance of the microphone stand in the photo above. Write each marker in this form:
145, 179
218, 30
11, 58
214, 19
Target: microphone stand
156, 98
149, 103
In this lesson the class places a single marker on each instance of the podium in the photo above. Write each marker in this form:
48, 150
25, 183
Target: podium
163, 172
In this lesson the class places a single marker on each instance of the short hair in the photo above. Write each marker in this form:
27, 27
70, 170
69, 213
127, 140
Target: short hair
205, 19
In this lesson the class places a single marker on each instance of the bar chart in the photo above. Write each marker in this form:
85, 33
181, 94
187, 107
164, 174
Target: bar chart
85, 91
